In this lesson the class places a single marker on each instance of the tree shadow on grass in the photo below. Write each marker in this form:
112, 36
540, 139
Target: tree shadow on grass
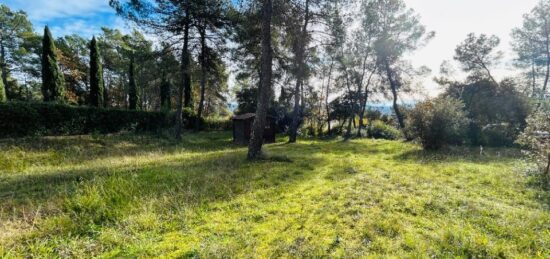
196, 180
79, 149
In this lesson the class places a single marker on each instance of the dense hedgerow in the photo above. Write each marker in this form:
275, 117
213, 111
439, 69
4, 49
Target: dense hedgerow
21, 119
18, 119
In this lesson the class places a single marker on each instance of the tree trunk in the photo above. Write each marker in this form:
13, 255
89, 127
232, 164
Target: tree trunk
364, 105
300, 63
3, 65
394, 85
326, 97
547, 171
293, 131
348, 130
362, 114
547, 76
203, 78
185, 81
256, 141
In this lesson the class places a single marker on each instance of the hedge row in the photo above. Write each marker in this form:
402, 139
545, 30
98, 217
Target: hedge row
19, 119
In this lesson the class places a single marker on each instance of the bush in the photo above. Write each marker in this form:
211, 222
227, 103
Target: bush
498, 135
380, 130
438, 122
217, 124
497, 112
536, 138
20, 119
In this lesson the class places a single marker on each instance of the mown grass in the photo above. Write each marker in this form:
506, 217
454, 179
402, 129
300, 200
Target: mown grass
140, 196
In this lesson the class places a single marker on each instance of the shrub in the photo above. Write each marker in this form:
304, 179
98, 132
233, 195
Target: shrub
217, 124
498, 135
20, 119
438, 122
536, 137
380, 130
497, 112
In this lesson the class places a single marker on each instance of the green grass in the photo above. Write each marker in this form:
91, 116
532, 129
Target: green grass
139, 196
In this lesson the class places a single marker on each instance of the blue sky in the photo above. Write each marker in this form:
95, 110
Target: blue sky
83, 17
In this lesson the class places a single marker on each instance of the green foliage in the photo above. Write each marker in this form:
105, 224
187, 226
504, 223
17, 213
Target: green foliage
18, 44
438, 122
497, 111
217, 124
380, 130
128, 196
476, 54
536, 137
74, 58
18, 119
530, 42
53, 82
96, 76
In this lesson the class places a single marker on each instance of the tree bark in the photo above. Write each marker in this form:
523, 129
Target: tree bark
300, 63
394, 85
185, 81
3, 64
533, 78
547, 76
326, 96
362, 114
203, 78
256, 141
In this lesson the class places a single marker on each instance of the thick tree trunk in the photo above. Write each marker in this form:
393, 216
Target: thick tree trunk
256, 141
3, 64
203, 78
300, 63
394, 85
185, 82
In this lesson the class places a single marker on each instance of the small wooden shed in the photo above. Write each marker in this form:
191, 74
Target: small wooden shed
242, 129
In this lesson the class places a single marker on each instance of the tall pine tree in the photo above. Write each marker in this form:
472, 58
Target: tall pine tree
96, 76
132, 90
3, 96
53, 82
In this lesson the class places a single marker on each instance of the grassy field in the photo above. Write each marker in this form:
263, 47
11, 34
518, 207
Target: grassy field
140, 196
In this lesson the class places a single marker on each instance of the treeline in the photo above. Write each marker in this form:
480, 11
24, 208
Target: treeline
314, 65
111, 70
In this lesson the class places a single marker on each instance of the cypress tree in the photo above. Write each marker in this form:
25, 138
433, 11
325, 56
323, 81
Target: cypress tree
3, 96
132, 89
165, 102
53, 82
96, 76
